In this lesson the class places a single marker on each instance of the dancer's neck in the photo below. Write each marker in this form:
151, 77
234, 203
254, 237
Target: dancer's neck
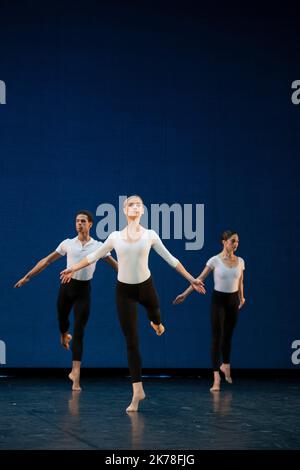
227, 254
84, 237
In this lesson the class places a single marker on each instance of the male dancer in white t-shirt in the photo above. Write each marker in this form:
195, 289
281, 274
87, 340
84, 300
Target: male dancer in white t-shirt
76, 294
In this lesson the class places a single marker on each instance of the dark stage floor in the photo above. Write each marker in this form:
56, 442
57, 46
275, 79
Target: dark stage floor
178, 413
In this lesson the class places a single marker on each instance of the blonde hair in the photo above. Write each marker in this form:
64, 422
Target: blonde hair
130, 197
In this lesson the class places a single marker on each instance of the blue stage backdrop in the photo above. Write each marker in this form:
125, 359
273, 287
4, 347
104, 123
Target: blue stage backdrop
181, 104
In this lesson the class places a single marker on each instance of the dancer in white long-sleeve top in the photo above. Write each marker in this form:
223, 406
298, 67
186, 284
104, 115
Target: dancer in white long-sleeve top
135, 284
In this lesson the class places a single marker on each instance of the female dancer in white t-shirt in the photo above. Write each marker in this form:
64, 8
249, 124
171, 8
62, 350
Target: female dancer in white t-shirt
227, 299
135, 285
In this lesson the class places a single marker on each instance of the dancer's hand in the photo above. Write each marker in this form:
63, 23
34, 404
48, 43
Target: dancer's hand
198, 285
242, 301
22, 281
66, 275
179, 299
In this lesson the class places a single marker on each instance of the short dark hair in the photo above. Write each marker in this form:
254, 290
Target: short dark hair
87, 213
227, 234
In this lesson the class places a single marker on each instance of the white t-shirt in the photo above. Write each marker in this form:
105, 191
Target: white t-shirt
226, 279
76, 251
133, 257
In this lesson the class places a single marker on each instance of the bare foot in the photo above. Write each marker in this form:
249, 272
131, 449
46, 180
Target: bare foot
75, 377
216, 386
158, 328
65, 340
134, 405
217, 382
226, 371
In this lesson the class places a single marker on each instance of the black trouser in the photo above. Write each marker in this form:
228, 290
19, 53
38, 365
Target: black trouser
127, 297
224, 315
75, 294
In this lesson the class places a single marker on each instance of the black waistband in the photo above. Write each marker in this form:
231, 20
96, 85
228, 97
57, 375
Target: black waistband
135, 285
217, 292
77, 281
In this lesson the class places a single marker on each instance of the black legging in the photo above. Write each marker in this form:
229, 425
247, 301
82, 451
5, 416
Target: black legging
75, 294
224, 315
127, 297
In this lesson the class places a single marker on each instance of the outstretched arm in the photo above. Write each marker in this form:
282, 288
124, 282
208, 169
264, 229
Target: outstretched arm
66, 274
159, 247
196, 284
40, 266
181, 297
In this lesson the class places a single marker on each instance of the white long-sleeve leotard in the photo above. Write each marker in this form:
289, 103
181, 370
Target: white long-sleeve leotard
133, 257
